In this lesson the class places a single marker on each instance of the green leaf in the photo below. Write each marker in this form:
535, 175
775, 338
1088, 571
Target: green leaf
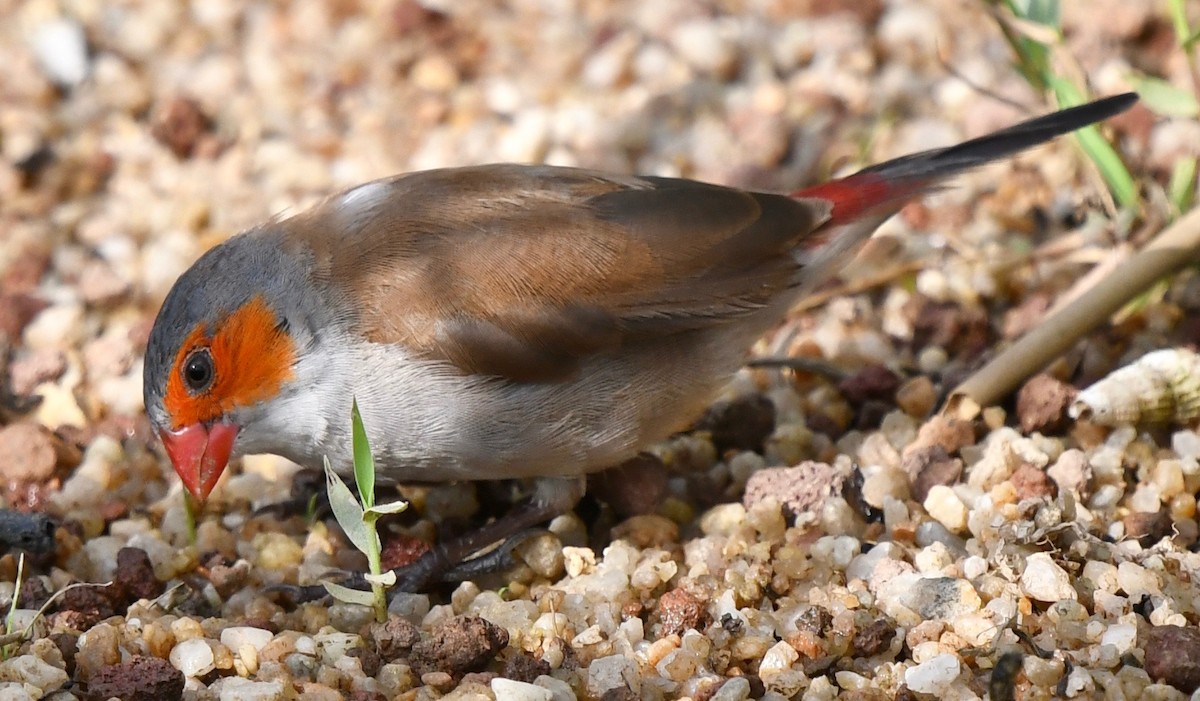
348, 512
386, 579
1165, 99
364, 463
394, 507
1112, 169
348, 595
1182, 187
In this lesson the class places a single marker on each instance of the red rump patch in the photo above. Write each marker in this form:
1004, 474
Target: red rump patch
863, 194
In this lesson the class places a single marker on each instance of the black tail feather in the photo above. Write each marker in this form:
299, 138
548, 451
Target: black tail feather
938, 163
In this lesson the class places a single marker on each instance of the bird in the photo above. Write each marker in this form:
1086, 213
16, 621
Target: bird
507, 321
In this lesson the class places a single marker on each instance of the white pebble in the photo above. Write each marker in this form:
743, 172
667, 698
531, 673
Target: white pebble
1044, 580
1102, 574
945, 507
1137, 581
612, 672
838, 550
1186, 444
34, 671
193, 657
778, 659
510, 690
102, 552
234, 637
61, 50
1122, 636
704, 45
974, 566
335, 645
238, 689
559, 689
933, 676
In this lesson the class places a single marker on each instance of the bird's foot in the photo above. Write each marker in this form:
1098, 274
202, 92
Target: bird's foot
434, 567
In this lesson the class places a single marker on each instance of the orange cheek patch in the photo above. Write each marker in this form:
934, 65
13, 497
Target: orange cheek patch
252, 359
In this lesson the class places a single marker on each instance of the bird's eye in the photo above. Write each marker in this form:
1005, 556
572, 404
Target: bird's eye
198, 370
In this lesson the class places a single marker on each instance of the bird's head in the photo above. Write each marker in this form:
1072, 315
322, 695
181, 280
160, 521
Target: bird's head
222, 352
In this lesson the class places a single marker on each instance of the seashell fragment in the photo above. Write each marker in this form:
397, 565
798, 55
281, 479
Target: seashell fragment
1160, 387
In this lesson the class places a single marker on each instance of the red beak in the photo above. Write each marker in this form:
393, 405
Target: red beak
199, 454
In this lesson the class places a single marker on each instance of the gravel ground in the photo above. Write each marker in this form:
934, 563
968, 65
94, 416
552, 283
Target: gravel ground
820, 535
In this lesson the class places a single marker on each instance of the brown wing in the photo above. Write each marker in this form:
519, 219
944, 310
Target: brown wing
524, 271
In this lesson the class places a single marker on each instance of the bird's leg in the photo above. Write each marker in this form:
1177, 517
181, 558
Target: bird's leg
552, 497
452, 561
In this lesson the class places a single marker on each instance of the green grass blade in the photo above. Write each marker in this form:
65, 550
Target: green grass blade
1112, 169
1182, 188
364, 462
1183, 32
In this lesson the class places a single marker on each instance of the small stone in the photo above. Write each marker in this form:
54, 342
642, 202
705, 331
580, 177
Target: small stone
951, 434
234, 637
734, 689
1137, 581
401, 550
917, 396
99, 285
29, 452
135, 577
193, 657
743, 423
1173, 656
802, 489
943, 505
1042, 404
1148, 528
871, 382
60, 47
613, 672
97, 648
524, 667
561, 690
28, 372
180, 124
1122, 636
1044, 580
34, 671
1031, 483
239, 689
941, 598
930, 467
934, 676
704, 44
777, 660
509, 690
873, 638
462, 644
138, 679
679, 611
1072, 472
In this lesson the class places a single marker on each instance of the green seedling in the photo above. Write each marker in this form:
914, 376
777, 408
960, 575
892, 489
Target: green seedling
1034, 31
358, 517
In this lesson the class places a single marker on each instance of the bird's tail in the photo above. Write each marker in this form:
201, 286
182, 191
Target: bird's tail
884, 188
